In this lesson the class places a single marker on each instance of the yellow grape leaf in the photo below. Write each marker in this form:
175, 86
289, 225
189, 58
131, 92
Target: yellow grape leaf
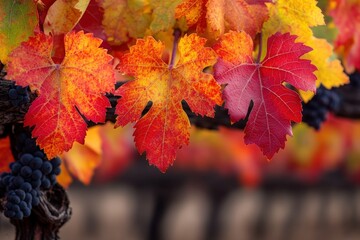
293, 16
17, 23
329, 73
125, 19
163, 16
297, 17
63, 15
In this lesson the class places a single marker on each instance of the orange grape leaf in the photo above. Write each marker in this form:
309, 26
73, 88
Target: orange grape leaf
219, 16
63, 15
64, 179
194, 11
224, 15
17, 22
82, 160
274, 105
105, 153
6, 156
165, 127
68, 92
124, 20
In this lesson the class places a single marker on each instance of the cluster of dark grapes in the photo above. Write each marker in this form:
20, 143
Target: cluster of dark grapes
316, 110
18, 95
30, 174
355, 79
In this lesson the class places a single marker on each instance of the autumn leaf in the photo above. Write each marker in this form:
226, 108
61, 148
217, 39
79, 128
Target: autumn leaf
68, 92
125, 20
91, 21
297, 18
63, 15
274, 105
18, 20
224, 15
82, 160
105, 153
219, 16
165, 127
194, 11
346, 17
6, 156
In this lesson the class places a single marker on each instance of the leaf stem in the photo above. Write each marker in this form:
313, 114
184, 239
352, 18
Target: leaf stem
177, 34
260, 48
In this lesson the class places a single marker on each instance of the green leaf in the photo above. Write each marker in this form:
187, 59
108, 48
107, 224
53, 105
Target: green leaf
18, 19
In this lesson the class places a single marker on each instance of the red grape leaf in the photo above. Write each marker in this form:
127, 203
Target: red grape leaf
165, 128
66, 90
346, 18
6, 155
275, 105
90, 22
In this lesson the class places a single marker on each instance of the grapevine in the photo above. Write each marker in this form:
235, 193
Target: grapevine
163, 66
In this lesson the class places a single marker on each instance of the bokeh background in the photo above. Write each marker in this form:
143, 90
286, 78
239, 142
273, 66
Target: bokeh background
218, 189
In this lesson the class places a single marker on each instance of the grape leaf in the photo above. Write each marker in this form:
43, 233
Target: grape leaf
274, 105
218, 16
124, 20
346, 17
82, 160
223, 15
63, 15
293, 16
91, 21
66, 90
165, 128
6, 155
297, 18
163, 16
18, 20
194, 12
105, 153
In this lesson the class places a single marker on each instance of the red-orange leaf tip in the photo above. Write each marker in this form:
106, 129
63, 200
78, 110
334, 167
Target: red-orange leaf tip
75, 86
165, 128
275, 105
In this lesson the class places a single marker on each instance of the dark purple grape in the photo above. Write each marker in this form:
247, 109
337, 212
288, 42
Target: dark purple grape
13, 94
36, 163
26, 171
26, 158
46, 168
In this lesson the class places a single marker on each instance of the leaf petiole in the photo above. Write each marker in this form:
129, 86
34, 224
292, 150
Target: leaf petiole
177, 34
260, 48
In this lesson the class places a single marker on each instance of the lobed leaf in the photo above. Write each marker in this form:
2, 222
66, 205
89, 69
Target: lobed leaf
165, 127
68, 92
18, 20
274, 105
